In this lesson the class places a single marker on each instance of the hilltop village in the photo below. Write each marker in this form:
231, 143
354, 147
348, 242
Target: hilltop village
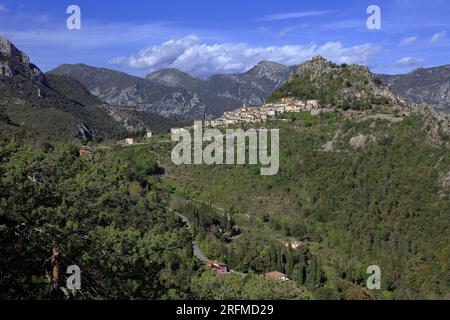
247, 115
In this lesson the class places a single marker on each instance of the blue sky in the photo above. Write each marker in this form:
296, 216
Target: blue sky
206, 37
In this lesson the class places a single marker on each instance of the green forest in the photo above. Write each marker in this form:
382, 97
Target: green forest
110, 215
322, 220
346, 209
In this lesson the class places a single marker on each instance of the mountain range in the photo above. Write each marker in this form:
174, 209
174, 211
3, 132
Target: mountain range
173, 92
89, 102
61, 106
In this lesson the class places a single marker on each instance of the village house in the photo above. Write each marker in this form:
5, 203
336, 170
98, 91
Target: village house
294, 244
85, 152
276, 275
218, 267
176, 130
149, 134
129, 141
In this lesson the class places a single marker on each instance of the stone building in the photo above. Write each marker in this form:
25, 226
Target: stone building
247, 115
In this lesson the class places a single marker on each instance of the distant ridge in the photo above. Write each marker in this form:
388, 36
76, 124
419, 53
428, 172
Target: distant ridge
173, 92
423, 85
123, 90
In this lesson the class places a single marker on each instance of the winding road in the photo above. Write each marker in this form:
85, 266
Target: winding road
197, 252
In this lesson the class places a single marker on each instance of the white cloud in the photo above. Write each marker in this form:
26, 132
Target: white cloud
438, 36
191, 55
290, 29
409, 62
408, 40
163, 55
292, 15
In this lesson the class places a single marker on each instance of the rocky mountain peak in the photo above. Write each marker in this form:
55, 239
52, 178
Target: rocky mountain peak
268, 67
7, 49
172, 77
269, 75
266, 64
14, 62
318, 57
346, 86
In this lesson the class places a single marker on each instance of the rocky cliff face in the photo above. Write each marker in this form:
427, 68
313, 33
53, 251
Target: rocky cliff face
135, 120
437, 124
14, 62
253, 86
424, 85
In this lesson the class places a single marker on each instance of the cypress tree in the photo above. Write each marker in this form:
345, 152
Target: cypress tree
273, 256
318, 271
289, 263
311, 277
280, 260
301, 269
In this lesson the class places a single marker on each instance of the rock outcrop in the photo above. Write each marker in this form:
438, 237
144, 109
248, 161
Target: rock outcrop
436, 124
14, 62
343, 86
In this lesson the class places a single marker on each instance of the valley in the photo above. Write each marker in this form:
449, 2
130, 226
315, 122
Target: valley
362, 181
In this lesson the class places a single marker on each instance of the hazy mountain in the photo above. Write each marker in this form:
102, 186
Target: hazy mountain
173, 92
130, 119
123, 90
253, 86
175, 78
60, 106
424, 85
31, 100
225, 92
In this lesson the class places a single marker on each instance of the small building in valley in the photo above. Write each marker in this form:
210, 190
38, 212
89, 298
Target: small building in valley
217, 267
129, 141
85, 152
276, 275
